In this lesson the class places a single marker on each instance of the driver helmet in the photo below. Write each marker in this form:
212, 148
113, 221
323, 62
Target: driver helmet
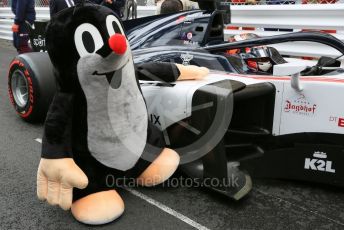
258, 59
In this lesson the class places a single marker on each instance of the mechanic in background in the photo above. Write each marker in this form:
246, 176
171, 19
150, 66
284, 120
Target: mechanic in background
186, 5
56, 6
171, 6
115, 5
24, 11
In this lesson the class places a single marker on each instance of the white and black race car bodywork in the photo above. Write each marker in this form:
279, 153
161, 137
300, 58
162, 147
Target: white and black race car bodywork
274, 126
275, 131
278, 126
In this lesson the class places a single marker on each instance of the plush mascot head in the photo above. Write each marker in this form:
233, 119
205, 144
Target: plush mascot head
92, 58
88, 34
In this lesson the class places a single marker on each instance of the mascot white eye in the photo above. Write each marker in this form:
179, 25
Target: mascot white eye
88, 39
113, 25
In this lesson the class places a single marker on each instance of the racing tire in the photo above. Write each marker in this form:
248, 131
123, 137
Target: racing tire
31, 85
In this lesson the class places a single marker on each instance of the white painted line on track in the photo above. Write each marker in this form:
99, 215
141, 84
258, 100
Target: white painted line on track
39, 140
167, 209
159, 205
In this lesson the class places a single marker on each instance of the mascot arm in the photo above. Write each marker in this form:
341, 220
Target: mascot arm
169, 72
57, 128
57, 173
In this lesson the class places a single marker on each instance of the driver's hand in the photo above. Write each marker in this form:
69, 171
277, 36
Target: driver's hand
15, 28
192, 72
56, 179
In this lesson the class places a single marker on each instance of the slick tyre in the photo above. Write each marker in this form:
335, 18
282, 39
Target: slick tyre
31, 85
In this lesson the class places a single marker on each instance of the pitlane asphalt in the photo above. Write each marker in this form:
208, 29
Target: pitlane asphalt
271, 204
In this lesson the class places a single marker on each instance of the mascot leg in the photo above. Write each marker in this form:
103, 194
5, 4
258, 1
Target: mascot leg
98, 203
98, 208
161, 168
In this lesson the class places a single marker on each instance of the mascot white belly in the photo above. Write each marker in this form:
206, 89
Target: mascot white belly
116, 112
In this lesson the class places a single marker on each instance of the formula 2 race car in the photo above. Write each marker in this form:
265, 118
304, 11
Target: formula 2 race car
281, 124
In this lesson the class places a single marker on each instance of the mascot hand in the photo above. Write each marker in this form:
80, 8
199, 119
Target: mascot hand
56, 179
192, 72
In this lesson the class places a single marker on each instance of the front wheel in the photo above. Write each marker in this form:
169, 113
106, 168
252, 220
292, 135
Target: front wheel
31, 85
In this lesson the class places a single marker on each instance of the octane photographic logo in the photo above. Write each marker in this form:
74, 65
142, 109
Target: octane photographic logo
165, 112
319, 163
301, 106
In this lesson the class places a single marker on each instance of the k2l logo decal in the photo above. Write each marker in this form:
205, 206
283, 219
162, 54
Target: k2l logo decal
319, 163
300, 106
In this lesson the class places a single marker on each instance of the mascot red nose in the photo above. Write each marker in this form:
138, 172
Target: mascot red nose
97, 125
118, 43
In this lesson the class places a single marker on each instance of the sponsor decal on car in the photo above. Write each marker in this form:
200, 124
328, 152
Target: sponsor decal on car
154, 119
186, 42
186, 58
300, 106
319, 163
187, 39
39, 41
339, 121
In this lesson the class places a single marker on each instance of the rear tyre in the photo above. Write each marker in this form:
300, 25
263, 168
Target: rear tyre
31, 85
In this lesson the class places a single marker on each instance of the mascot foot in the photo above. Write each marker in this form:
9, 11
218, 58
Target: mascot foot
98, 208
161, 168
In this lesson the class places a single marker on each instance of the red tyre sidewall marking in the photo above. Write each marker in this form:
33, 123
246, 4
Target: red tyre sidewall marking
27, 111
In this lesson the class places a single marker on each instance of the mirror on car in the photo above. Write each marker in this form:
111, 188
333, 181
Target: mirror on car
293, 70
288, 69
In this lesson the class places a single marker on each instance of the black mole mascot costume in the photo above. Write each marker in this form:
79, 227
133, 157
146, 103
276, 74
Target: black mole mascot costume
97, 124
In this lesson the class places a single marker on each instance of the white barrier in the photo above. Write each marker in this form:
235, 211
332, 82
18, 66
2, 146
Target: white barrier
42, 13
296, 17
320, 17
